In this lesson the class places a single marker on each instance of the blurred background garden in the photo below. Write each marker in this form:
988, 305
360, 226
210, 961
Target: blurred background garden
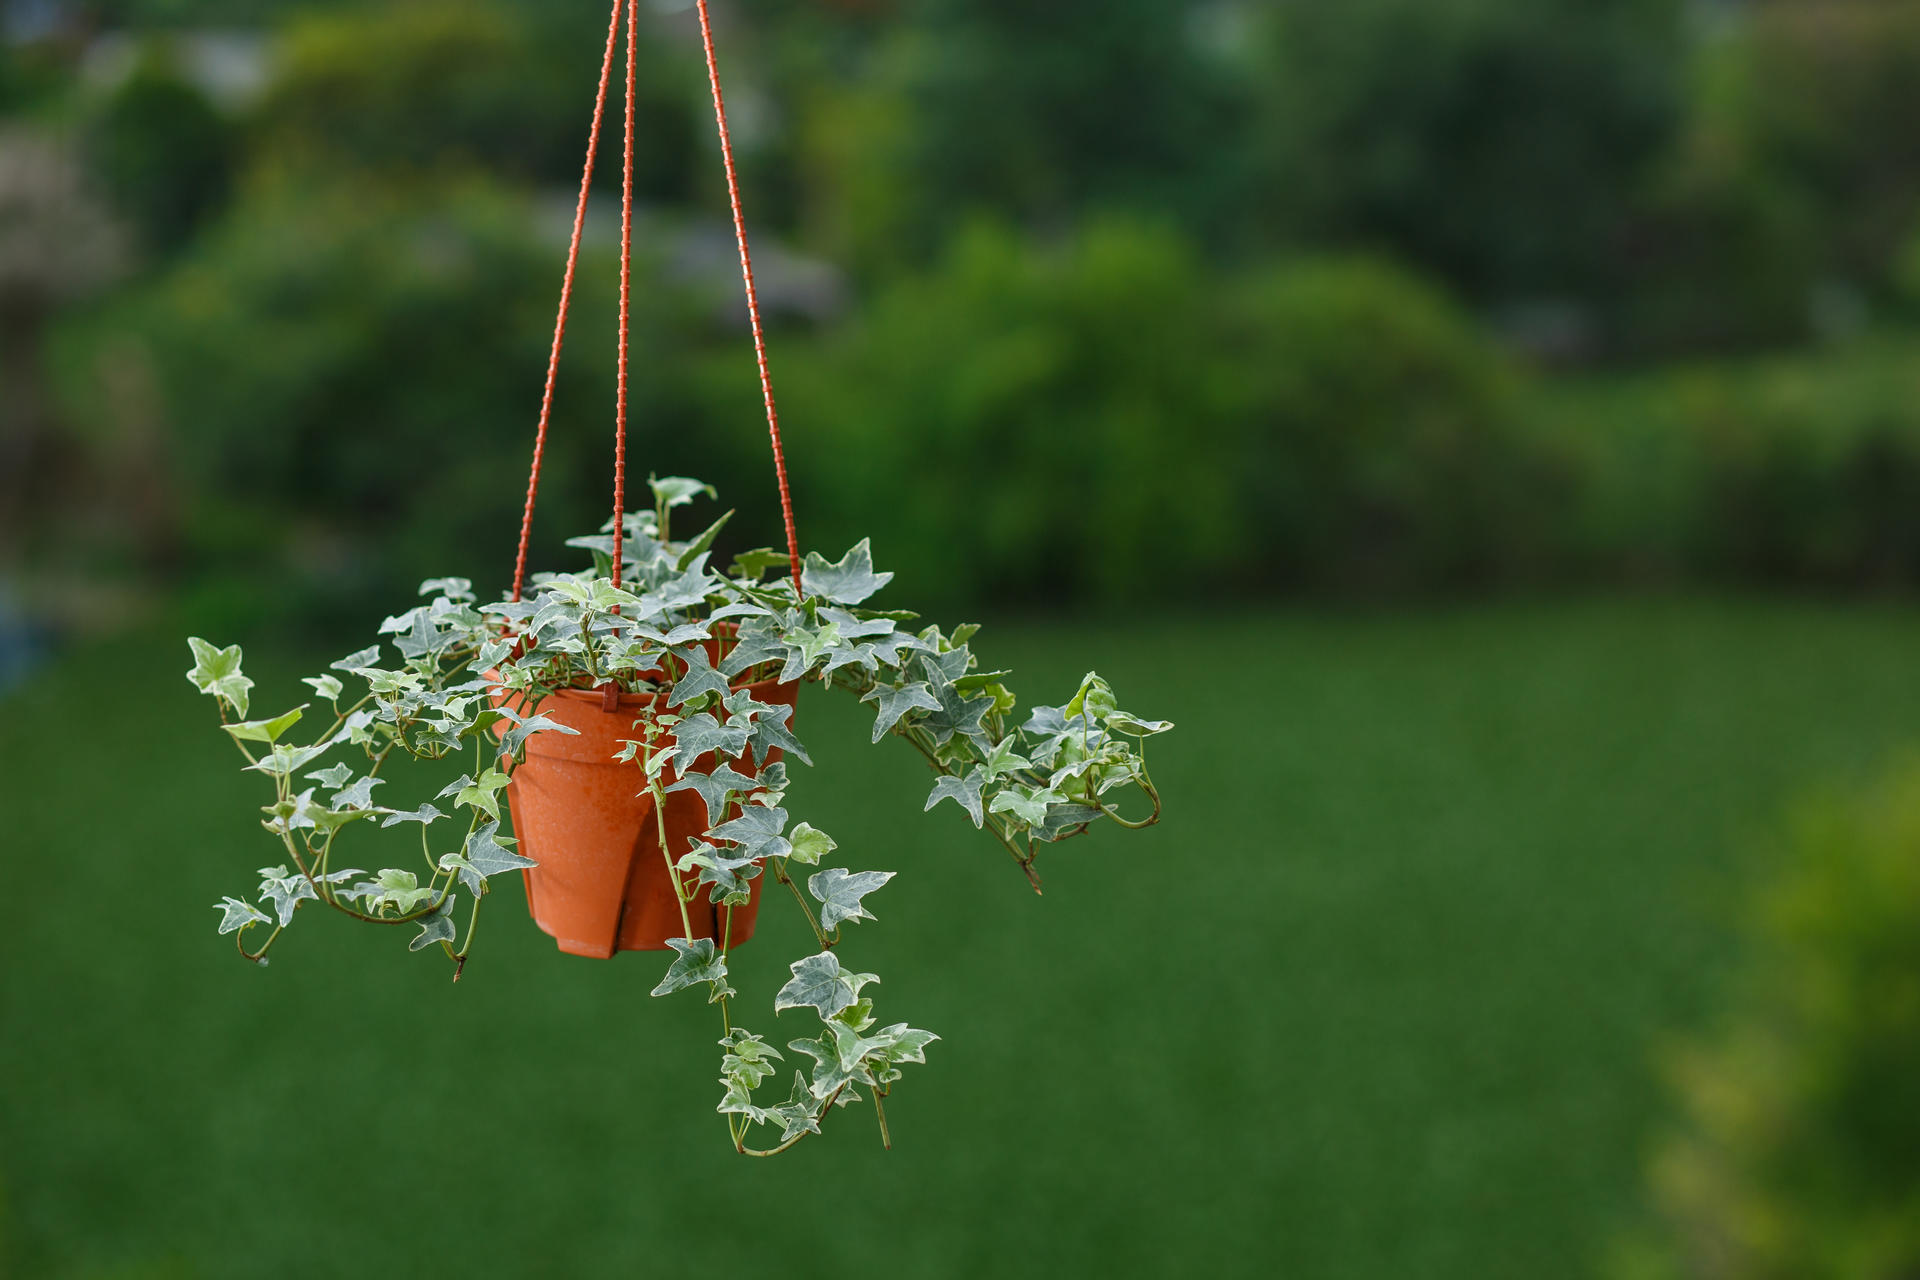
1489, 428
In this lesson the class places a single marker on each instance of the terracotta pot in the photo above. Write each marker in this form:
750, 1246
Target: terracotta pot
602, 885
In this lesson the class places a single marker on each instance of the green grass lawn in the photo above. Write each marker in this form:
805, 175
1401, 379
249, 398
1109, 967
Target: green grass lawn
1380, 998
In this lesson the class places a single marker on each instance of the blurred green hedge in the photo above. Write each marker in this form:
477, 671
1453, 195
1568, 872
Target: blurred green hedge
1798, 1149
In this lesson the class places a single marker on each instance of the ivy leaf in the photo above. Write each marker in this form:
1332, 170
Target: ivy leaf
483, 856
1094, 701
840, 891
424, 814
820, 984
355, 662
756, 643
328, 687
678, 491
357, 796
1004, 759
896, 703
721, 870
747, 1062
955, 714
267, 731
400, 890
850, 581
285, 891
516, 737
452, 588
704, 543
700, 677
238, 915
753, 565
964, 792
904, 1044
437, 927
1025, 804
839, 1056
333, 778
481, 795
805, 647
810, 845
696, 962
770, 734
797, 1114
697, 735
217, 672
757, 831
714, 787
1121, 722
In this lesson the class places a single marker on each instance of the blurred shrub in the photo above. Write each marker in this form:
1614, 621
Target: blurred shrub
351, 377
1798, 1151
1494, 142
471, 85
1802, 469
1111, 416
162, 152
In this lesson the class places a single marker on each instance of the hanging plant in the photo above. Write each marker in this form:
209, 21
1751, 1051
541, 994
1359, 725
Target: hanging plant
632, 722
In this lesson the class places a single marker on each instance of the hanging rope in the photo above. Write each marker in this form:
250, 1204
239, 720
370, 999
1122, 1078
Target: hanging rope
632, 18
753, 295
626, 297
566, 300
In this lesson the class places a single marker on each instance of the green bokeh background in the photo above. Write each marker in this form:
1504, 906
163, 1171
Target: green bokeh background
1385, 1011
1489, 428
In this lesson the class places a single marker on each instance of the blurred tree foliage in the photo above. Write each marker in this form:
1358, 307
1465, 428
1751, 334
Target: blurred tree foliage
1798, 1152
352, 372
1490, 141
163, 153
465, 85
1198, 289
1109, 412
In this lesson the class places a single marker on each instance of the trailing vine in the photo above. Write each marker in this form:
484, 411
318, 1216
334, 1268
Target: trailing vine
472, 678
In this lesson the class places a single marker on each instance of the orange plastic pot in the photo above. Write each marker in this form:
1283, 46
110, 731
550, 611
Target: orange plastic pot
602, 884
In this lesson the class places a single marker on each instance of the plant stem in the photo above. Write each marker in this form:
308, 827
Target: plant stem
880, 1109
673, 877
780, 874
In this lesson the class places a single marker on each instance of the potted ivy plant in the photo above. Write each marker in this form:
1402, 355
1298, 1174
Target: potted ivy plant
638, 740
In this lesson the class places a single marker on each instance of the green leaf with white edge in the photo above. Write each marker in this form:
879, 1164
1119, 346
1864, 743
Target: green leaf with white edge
699, 734
695, 962
955, 715
840, 891
1121, 722
758, 832
678, 491
810, 845
481, 794
840, 1057
328, 687
438, 927
699, 678
798, 1114
267, 731
1003, 759
1025, 804
516, 737
285, 891
821, 984
426, 813
238, 915
484, 855
334, 777
848, 581
894, 704
399, 890
1095, 699
357, 662
217, 672
963, 791
714, 787
753, 565
452, 588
